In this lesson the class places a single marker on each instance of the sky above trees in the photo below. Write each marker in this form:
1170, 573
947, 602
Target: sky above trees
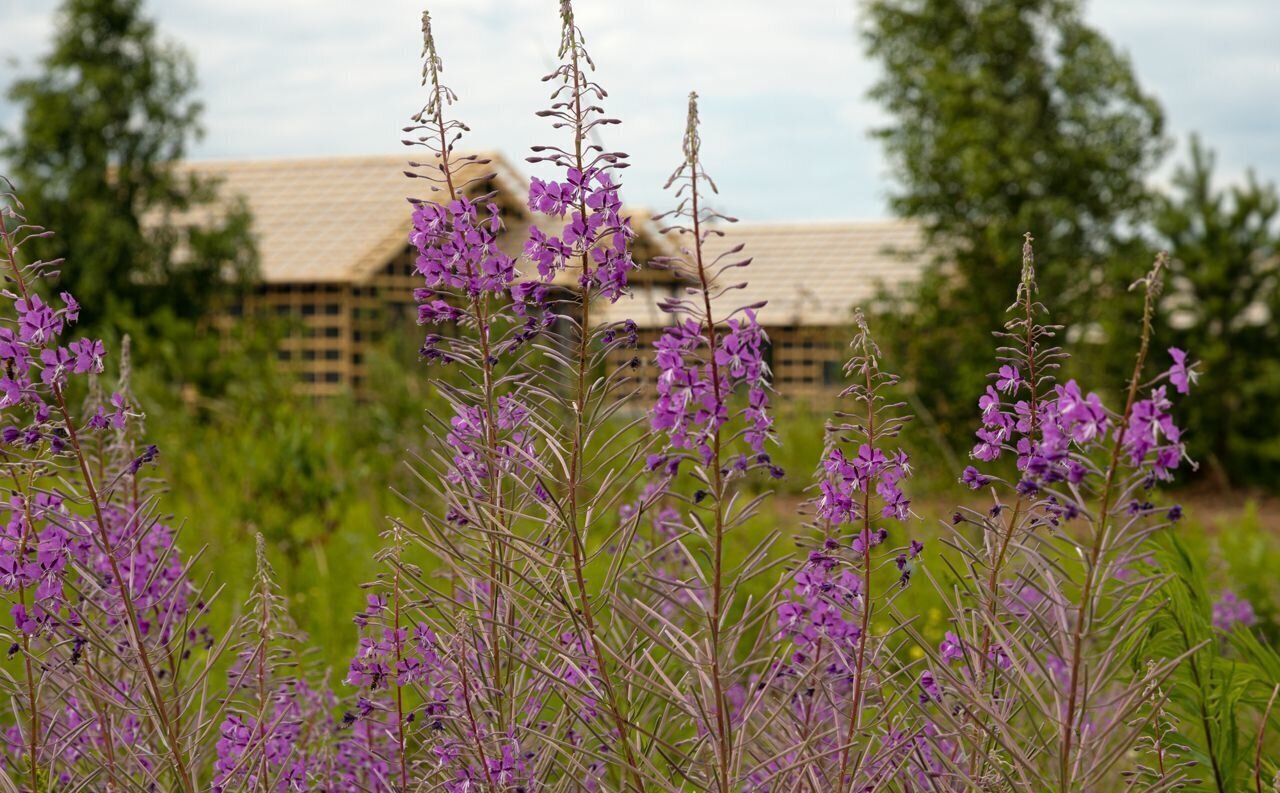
783, 85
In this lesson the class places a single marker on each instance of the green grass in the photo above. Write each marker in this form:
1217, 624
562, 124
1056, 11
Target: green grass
316, 478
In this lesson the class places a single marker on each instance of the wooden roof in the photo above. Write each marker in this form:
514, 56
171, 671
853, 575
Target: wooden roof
341, 219
810, 274
330, 219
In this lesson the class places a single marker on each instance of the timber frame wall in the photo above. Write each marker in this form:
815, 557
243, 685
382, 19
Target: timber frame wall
329, 327
806, 362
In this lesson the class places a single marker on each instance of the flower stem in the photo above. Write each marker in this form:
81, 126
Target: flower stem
154, 690
578, 551
724, 730
1080, 631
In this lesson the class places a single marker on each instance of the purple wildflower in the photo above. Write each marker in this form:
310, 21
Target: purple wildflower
1181, 375
974, 478
951, 649
1231, 610
1008, 379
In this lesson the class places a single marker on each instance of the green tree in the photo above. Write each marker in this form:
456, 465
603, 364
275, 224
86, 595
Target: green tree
147, 247
1005, 117
1222, 305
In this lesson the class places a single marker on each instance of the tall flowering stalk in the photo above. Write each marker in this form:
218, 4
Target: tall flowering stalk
1012, 415
865, 491
519, 689
273, 736
1145, 448
402, 674
470, 285
837, 720
848, 496
104, 612
458, 258
587, 253
712, 407
1053, 641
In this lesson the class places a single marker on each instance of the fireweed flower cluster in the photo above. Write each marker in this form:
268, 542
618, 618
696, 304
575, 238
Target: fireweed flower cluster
593, 240
1033, 646
1231, 610
712, 410
283, 747
407, 680
102, 611
835, 676
694, 393
704, 359
1052, 429
594, 231
569, 613
468, 279
422, 694
457, 250
468, 436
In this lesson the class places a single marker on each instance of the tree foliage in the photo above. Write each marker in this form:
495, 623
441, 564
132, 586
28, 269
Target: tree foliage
104, 120
1223, 304
1004, 118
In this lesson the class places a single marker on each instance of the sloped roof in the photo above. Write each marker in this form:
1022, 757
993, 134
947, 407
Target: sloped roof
329, 219
339, 219
810, 274
817, 273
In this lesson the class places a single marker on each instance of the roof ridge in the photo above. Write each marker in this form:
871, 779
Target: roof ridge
268, 160
810, 224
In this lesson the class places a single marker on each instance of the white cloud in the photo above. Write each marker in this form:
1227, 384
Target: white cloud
783, 84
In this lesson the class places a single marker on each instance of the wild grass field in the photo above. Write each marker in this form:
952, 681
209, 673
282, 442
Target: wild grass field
320, 479
507, 563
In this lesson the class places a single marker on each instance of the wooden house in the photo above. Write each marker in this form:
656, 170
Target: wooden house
811, 277
332, 236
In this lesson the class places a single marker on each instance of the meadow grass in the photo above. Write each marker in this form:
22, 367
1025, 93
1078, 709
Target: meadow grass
322, 479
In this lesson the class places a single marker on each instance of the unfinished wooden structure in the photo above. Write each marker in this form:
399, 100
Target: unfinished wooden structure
337, 270
811, 277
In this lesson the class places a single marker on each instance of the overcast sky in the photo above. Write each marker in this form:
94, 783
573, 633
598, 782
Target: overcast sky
785, 118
